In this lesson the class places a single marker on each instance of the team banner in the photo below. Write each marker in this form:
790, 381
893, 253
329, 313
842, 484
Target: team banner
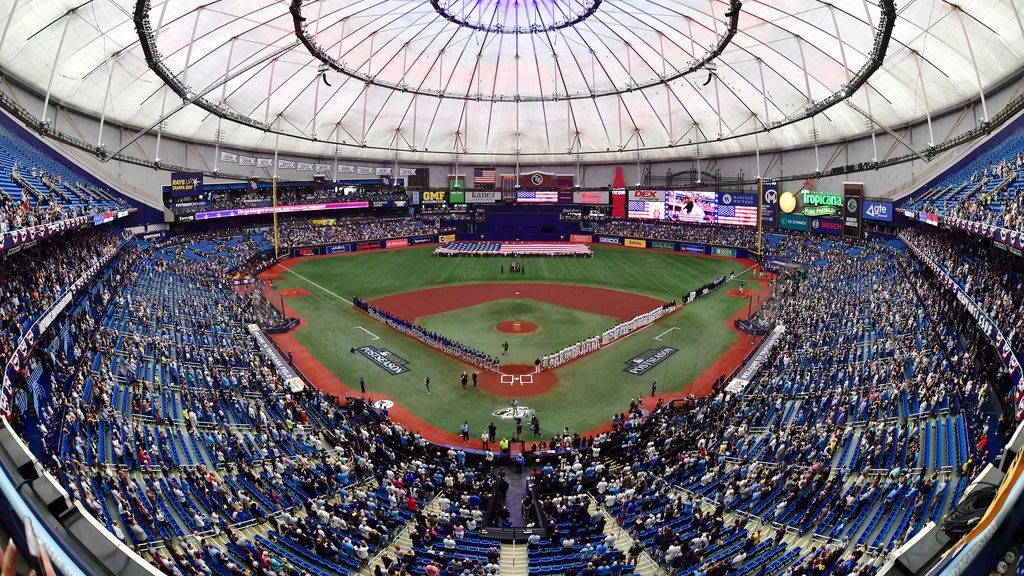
22, 236
488, 197
184, 184
635, 243
769, 203
599, 197
853, 215
1005, 236
539, 180
878, 211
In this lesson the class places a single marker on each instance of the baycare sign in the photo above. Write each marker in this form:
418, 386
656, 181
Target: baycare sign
434, 196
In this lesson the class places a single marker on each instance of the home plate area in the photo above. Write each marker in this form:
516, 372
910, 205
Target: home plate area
513, 379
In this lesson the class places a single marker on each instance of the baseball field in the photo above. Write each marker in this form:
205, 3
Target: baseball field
476, 301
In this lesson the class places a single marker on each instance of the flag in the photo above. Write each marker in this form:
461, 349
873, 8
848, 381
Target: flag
537, 196
645, 210
484, 177
737, 215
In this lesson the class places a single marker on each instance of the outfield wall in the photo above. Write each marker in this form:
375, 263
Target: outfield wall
605, 239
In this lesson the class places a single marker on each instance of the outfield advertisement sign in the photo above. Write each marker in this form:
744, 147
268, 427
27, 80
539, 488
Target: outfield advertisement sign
372, 245
663, 245
581, 238
308, 251
446, 238
635, 243
693, 248
396, 243
723, 251
878, 211
421, 240
487, 197
827, 226
793, 222
338, 248
648, 359
391, 363
609, 240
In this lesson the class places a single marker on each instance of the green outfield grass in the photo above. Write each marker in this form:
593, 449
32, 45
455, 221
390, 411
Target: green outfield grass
557, 327
589, 390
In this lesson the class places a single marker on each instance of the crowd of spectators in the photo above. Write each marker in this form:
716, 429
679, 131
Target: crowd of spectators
315, 231
263, 197
994, 279
739, 236
990, 195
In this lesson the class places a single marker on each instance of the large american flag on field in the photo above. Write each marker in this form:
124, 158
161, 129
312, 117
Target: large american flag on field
483, 177
737, 215
537, 196
645, 210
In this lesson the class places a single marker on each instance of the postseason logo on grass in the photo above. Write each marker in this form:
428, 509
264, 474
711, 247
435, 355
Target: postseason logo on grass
392, 363
648, 359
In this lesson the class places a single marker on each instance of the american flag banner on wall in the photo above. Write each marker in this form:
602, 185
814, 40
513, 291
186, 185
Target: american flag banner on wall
737, 215
537, 196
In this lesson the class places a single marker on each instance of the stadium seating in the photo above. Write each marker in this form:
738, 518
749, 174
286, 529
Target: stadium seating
36, 188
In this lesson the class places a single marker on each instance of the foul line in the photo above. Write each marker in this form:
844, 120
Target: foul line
342, 298
375, 337
658, 337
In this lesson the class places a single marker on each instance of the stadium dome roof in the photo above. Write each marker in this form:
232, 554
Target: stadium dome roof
549, 79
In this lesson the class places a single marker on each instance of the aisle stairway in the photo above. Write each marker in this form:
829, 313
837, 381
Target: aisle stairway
514, 560
646, 566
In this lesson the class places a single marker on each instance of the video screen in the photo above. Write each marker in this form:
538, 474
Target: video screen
691, 206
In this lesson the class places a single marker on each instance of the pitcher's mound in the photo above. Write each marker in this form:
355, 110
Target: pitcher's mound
517, 327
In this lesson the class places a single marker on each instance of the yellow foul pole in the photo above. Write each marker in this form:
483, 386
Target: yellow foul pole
274, 193
760, 199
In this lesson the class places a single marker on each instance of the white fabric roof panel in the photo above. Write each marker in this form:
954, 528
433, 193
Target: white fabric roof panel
588, 77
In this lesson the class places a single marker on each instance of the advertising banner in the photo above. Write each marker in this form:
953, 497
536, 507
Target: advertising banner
537, 180
396, 243
590, 197
310, 251
184, 184
736, 209
457, 196
636, 243
609, 240
769, 203
581, 238
827, 226
338, 248
372, 245
853, 215
663, 245
793, 222
446, 238
421, 240
647, 195
618, 203
878, 211
693, 248
281, 209
723, 251
488, 197
434, 196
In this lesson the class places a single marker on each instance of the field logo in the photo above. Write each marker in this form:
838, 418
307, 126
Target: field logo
635, 243
511, 413
648, 359
391, 363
